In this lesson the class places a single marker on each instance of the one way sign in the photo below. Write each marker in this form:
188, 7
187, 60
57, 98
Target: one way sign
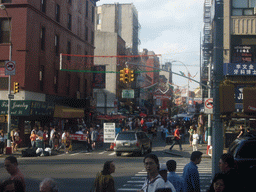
208, 106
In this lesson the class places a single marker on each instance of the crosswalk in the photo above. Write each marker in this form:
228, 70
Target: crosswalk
136, 182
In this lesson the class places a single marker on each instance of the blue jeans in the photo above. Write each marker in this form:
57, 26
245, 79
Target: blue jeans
175, 141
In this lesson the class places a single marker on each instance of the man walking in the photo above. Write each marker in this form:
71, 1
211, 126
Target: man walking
175, 179
177, 138
191, 174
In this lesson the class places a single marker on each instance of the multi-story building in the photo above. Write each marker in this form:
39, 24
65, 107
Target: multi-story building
121, 19
116, 29
38, 32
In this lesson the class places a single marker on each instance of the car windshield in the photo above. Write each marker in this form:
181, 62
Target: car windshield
126, 136
247, 150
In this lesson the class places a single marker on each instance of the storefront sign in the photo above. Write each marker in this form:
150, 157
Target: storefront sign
26, 108
248, 69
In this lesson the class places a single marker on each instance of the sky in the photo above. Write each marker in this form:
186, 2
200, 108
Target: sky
171, 28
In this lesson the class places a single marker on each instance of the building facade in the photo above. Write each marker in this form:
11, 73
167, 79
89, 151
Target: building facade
38, 32
116, 28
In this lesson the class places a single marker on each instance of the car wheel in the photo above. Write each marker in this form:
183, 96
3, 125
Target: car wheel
118, 154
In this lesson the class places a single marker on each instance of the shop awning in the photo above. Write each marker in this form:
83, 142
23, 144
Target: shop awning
66, 112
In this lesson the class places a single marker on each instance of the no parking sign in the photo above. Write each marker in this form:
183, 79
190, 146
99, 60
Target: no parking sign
208, 106
10, 67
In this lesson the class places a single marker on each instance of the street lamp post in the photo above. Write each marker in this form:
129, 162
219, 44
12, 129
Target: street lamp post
9, 82
188, 82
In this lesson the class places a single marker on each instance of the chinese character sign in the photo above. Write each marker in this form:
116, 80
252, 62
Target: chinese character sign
239, 69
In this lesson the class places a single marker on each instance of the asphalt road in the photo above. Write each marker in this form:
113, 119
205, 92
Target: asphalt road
77, 171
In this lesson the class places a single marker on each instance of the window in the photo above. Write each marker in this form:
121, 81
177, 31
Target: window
243, 7
93, 16
87, 9
57, 13
4, 31
70, 2
57, 44
98, 19
69, 21
43, 6
42, 38
68, 83
86, 33
69, 50
56, 81
41, 77
92, 38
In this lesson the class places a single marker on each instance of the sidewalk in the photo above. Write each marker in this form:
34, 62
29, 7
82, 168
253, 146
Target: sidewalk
186, 150
18, 153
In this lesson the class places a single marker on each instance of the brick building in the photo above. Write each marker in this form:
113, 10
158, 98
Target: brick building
39, 31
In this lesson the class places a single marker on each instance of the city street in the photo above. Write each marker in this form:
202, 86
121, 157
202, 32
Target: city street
76, 171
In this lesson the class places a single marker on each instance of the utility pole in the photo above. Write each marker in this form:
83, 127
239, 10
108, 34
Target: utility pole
218, 77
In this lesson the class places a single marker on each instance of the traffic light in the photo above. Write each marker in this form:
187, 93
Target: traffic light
249, 100
16, 87
131, 75
126, 75
122, 75
227, 99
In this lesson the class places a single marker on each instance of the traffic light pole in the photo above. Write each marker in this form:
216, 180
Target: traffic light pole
217, 132
9, 82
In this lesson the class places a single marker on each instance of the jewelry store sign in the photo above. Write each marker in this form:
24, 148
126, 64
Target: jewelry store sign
26, 108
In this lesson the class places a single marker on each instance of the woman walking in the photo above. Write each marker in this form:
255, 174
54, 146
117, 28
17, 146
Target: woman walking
104, 182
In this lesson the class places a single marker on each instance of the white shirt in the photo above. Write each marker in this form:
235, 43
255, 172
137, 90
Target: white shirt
63, 136
195, 139
157, 183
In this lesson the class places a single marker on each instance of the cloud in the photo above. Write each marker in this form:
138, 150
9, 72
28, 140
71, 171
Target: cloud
171, 28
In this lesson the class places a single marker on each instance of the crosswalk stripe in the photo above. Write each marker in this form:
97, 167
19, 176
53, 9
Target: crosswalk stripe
136, 182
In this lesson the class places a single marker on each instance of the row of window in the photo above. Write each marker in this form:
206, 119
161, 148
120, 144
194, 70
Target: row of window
57, 11
243, 7
57, 40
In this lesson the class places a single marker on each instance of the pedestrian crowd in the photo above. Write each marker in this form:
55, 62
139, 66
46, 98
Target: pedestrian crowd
159, 180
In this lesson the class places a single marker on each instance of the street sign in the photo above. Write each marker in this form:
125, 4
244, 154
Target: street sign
10, 96
128, 93
109, 132
208, 106
239, 69
10, 67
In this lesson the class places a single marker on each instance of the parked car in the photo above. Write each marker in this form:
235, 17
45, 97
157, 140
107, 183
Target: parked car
243, 150
132, 141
